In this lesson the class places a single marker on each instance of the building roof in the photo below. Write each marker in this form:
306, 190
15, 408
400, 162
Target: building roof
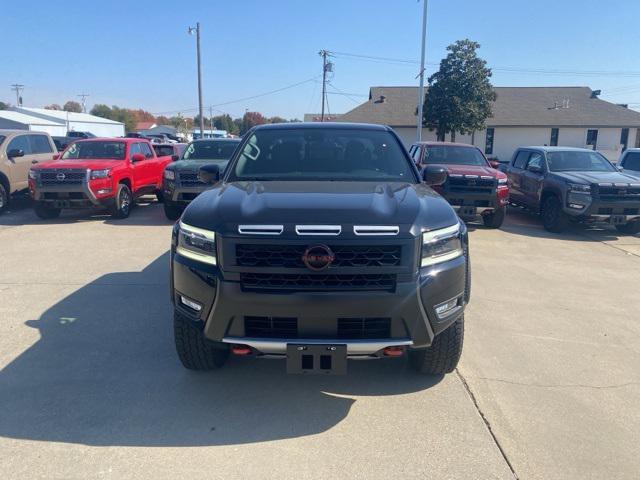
145, 125
316, 117
514, 106
63, 115
26, 119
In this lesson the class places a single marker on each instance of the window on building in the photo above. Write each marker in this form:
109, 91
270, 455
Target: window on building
554, 137
624, 138
488, 146
592, 138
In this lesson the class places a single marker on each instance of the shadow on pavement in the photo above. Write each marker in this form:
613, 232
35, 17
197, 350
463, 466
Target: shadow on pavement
105, 372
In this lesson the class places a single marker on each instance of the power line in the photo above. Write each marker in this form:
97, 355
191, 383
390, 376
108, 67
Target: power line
83, 98
18, 88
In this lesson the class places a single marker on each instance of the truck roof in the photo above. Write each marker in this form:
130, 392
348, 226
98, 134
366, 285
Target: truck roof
445, 144
322, 125
546, 148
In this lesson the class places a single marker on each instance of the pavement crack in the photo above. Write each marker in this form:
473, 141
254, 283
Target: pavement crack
487, 424
559, 385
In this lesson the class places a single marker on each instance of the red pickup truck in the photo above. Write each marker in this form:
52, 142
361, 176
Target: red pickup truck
473, 186
99, 172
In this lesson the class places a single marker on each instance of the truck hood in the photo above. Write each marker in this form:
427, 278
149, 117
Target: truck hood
587, 178
91, 164
195, 164
410, 206
470, 170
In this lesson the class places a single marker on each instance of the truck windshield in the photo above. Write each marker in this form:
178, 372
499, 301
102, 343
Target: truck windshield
450, 154
577, 161
210, 150
322, 154
99, 149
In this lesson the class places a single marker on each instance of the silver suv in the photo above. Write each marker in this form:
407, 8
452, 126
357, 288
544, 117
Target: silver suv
19, 149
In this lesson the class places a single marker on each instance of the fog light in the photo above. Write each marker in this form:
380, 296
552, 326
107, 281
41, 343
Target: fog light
577, 206
104, 191
444, 309
187, 302
393, 351
241, 350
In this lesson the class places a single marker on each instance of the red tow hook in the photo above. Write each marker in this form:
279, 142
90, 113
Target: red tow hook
241, 350
393, 351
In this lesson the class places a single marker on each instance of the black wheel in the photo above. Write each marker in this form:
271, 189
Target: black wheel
553, 218
630, 228
4, 198
495, 218
194, 351
159, 196
124, 201
172, 211
44, 212
443, 354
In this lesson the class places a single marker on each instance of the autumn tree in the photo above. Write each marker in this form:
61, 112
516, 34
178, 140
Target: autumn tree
460, 93
72, 106
250, 120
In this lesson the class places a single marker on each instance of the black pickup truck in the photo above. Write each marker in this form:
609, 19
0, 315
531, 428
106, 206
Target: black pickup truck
320, 242
573, 184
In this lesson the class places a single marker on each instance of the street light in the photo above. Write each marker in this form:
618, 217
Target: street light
191, 30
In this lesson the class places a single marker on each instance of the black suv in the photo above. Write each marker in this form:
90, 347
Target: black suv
181, 183
321, 242
573, 184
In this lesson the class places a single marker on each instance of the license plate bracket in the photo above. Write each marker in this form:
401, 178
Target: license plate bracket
317, 359
618, 219
467, 211
62, 204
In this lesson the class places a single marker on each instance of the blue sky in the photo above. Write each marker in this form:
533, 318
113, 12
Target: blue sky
138, 54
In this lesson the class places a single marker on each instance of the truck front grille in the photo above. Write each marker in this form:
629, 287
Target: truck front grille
190, 179
618, 193
364, 328
271, 327
290, 256
62, 176
316, 282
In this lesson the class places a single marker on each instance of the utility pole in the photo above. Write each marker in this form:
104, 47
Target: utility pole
211, 116
196, 29
18, 88
326, 67
421, 98
83, 98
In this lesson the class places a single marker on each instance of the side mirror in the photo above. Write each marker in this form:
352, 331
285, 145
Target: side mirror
175, 158
494, 164
138, 157
209, 174
535, 168
433, 175
56, 156
15, 153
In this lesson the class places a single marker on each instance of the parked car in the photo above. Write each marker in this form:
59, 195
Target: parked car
19, 149
473, 187
181, 184
320, 242
74, 134
573, 184
161, 137
630, 161
173, 150
63, 142
102, 173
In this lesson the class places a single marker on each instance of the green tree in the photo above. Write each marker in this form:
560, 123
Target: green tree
4, 106
277, 119
53, 106
460, 94
72, 106
101, 110
225, 122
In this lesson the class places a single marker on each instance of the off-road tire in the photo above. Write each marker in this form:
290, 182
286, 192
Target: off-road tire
495, 218
44, 212
443, 354
553, 217
630, 228
123, 202
160, 196
4, 197
172, 211
194, 351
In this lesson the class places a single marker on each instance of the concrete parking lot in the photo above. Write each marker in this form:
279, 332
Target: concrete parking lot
90, 386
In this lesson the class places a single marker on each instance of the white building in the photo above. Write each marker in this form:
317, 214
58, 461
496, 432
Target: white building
71, 121
21, 121
564, 116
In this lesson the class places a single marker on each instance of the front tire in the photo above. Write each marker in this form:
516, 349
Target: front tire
4, 198
495, 219
630, 228
194, 351
124, 201
444, 353
172, 211
46, 213
553, 218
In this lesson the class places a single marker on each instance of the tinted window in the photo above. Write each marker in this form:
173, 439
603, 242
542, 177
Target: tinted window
135, 148
99, 149
21, 142
535, 160
145, 149
521, 159
40, 144
210, 150
323, 154
163, 150
450, 154
632, 161
577, 161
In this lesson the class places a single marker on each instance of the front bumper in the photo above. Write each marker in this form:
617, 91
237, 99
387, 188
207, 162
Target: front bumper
599, 210
409, 308
77, 195
180, 194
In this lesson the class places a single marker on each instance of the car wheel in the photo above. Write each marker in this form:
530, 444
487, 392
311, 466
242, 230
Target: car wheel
46, 213
630, 228
553, 218
443, 354
172, 211
124, 201
495, 218
160, 196
4, 198
194, 351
